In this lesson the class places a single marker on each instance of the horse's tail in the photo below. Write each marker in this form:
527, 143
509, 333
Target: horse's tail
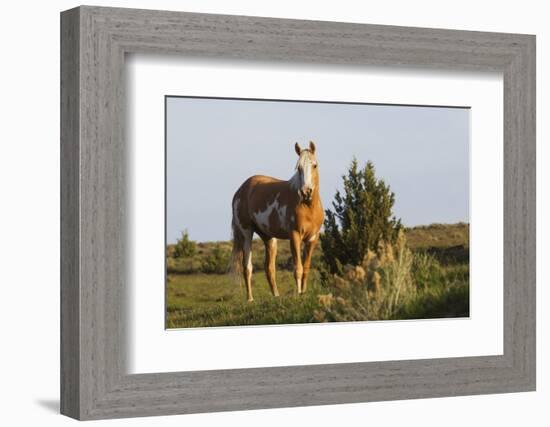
237, 255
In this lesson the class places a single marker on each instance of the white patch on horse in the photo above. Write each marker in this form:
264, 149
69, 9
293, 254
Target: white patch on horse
248, 254
236, 215
262, 217
306, 168
312, 238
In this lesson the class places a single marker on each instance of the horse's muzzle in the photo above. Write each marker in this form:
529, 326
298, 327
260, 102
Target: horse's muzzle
306, 194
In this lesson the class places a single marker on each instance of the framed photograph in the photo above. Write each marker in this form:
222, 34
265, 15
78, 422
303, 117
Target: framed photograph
354, 260
261, 213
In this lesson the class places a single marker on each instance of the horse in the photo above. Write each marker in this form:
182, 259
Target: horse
278, 209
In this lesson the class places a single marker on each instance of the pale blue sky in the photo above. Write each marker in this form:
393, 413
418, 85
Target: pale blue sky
213, 145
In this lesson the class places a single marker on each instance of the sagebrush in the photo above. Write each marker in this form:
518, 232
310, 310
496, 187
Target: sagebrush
394, 283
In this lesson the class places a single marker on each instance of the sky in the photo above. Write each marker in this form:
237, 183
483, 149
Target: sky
214, 145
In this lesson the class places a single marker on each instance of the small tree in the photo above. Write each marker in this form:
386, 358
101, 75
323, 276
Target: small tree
362, 217
184, 247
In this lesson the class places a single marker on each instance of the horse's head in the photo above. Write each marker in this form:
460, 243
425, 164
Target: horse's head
307, 171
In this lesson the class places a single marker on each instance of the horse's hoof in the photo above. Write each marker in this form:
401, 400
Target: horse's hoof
250, 300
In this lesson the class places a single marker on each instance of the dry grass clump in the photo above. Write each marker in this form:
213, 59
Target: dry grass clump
384, 286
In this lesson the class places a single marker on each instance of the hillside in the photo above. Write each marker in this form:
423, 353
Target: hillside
449, 243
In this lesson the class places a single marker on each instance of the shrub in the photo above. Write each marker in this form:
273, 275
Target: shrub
362, 218
376, 289
169, 251
184, 247
393, 283
217, 261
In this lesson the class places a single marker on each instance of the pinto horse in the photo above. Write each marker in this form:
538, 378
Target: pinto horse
277, 209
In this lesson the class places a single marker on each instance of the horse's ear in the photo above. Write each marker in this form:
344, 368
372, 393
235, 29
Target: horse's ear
297, 148
312, 147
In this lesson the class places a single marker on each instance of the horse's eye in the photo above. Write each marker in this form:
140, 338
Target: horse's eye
315, 166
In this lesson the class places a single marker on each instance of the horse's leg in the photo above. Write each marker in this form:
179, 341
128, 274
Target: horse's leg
308, 252
270, 257
247, 263
295, 247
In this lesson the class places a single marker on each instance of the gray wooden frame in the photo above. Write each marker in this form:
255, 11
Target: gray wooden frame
94, 382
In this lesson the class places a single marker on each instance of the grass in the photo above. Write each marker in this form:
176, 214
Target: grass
439, 268
218, 300
438, 302
438, 236
448, 243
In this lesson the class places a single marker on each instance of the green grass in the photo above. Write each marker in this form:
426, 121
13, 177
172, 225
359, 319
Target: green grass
219, 300
438, 302
195, 299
